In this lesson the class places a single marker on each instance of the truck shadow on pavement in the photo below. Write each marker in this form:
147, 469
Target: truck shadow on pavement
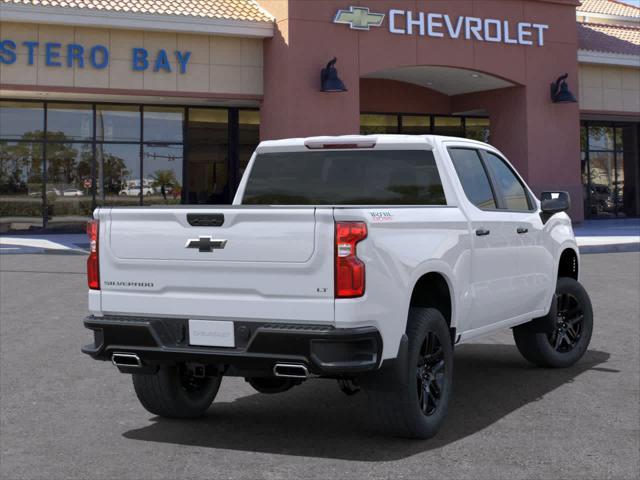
317, 420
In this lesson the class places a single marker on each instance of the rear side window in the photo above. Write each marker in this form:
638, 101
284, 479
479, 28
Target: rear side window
346, 177
473, 177
510, 189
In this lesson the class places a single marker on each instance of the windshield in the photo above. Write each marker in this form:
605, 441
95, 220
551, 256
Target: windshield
347, 177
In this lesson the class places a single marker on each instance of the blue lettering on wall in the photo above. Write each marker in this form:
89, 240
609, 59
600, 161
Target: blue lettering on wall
183, 59
140, 62
97, 56
7, 52
162, 62
31, 47
51, 50
75, 54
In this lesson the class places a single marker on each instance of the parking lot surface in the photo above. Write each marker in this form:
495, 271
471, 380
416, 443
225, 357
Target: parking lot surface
63, 415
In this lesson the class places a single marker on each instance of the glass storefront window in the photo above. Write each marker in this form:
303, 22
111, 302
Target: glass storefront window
118, 174
248, 137
477, 129
163, 124
67, 122
69, 170
118, 123
610, 169
601, 138
207, 156
21, 120
416, 124
374, 123
21, 185
162, 174
449, 126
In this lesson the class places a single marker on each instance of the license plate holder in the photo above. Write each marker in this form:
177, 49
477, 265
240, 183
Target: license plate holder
211, 333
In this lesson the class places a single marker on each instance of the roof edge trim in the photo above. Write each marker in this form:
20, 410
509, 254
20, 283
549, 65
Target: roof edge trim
135, 21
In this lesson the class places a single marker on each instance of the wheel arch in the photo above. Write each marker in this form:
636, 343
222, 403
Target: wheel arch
569, 263
434, 289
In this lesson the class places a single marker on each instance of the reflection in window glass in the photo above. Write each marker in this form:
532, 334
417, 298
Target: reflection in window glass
118, 174
69, 181
511, 190
449, 126
602, 184
20, 185
249, 137
373, 123
163, 124
118, 123
473, 177
349, 177
478, 129
601, 138
207, 179
162, 168
67, 122
416, 124
21, 120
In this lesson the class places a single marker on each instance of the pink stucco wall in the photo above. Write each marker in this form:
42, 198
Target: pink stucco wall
540, 137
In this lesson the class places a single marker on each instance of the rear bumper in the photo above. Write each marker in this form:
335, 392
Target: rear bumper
325, 351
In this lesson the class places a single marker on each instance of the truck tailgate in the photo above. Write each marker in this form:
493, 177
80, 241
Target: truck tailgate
260, 263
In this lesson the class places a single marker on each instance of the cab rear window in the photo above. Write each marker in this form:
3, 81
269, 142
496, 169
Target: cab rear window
346, 177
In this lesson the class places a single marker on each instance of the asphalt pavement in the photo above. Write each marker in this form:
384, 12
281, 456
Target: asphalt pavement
65, 416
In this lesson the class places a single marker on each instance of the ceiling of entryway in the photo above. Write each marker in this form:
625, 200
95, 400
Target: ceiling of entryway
447, 80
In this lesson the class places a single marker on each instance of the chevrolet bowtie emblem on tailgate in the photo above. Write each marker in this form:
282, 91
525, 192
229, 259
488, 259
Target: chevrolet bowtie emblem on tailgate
359, 18
206, 244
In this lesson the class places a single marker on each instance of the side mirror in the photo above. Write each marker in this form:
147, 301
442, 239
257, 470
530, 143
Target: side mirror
555, 202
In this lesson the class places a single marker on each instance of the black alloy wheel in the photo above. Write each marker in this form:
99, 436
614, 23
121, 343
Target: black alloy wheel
430, 374
569, 323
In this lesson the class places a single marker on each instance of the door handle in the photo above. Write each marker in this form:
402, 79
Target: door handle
522, 230
482, 232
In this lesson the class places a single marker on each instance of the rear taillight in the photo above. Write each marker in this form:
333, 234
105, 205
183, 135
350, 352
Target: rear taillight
93, 265
349, 269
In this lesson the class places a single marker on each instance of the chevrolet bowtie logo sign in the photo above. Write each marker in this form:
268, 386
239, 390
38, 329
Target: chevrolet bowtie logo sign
205, 244
359, 18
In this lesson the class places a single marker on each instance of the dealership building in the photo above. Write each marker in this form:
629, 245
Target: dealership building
128, 102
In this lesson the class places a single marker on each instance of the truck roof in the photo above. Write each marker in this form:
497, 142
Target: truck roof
371, 141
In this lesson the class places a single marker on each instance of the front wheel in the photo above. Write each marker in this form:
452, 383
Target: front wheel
175, 392
572, 328
416, 406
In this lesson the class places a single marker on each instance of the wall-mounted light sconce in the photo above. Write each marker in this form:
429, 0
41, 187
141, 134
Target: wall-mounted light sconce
329, 80
560, 92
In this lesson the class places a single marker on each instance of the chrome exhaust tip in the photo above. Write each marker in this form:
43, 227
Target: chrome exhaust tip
290, 370
126, 360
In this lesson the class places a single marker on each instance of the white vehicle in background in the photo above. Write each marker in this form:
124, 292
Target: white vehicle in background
132, 188
72, 192
363, 258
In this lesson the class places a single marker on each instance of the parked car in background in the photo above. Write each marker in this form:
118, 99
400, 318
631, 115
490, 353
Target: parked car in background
72, 192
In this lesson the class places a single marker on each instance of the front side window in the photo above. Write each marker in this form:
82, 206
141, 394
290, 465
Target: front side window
511, 190
348, 177
473, 177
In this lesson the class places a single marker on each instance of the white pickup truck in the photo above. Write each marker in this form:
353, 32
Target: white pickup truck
360, 258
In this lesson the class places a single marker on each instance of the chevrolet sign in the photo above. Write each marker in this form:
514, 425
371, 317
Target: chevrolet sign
441, 25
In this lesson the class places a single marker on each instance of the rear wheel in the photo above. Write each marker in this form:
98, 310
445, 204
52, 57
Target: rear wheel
176, 392
567, 342
416, 406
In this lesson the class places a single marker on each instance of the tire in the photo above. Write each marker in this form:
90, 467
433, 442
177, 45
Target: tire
403, 409
573, 327
173, 393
